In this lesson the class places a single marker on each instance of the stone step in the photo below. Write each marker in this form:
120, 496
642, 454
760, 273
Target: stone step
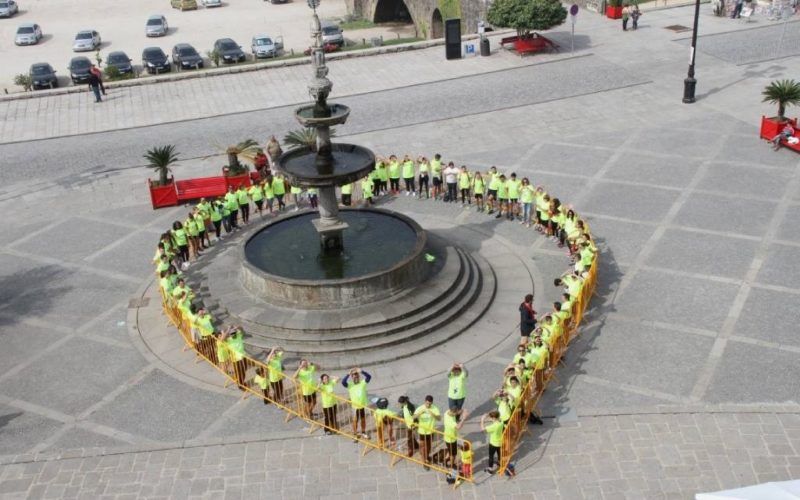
428, 310
420, 338
293, 324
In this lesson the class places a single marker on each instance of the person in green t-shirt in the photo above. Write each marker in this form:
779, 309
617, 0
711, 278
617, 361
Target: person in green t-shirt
436, 174
326, 390
256, 193
232, 202
513, 196
478, 187
452, 420
384, 422
408, 409
424, 169
408, 170
426, 416
502, 196
305, 374
243, 198
526, 196
464, 185
367, 187
274, 364
494, 433
181, 241
234, 340
216, 217
279, 190
356, 384
394, 174
493, 180
347, 194
262, 382
457, 386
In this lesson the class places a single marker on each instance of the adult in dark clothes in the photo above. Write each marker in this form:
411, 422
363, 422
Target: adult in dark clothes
527, 317
94, 84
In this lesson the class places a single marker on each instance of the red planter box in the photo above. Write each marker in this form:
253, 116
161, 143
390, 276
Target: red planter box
770, 127
237, 181
163, 196
614, 11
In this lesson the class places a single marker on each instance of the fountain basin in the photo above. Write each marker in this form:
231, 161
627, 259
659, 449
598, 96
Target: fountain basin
337, 114
349, 164
384, 253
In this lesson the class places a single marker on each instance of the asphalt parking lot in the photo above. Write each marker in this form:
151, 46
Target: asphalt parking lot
122, 27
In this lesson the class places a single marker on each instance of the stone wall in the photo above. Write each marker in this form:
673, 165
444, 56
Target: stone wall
423, 13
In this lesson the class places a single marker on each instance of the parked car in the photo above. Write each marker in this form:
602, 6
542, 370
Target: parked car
43, 76
184, 56
86, 40
154, 60
8, 8
184, 4
79, 69
229, 51
212, 3
28, 34
156, 26
278, 1
121, 61
332, 33
266, 46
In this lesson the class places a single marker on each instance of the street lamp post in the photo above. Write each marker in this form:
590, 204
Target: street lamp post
690, 83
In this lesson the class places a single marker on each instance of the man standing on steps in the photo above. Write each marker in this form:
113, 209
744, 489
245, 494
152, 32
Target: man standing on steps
457, 386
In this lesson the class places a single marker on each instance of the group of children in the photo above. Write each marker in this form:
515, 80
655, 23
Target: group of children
491, 192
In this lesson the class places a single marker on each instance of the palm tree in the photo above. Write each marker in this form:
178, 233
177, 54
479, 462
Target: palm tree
246, 149
160, 158
782, 93
304, 137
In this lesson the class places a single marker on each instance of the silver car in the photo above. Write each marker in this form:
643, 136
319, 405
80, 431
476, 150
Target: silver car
156, 26
266, 46
28, 34
212, 3
8, 8
86, 40
332, 33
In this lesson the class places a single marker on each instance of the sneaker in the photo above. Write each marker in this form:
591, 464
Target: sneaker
497, 216
489, 470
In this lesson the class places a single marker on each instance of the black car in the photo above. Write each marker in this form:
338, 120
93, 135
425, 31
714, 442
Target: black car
185, 57
43, 76
229, 51
79, 69
121, 61
154, 60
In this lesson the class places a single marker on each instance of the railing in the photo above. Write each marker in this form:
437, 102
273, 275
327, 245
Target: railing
517, 424
390, 434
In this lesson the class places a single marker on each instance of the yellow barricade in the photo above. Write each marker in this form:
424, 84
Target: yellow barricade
518, 422
391, 435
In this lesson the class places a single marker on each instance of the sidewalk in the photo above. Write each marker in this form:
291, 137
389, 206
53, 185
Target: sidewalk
173, 101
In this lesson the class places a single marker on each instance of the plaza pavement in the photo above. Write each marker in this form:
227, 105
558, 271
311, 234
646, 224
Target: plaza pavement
684, 377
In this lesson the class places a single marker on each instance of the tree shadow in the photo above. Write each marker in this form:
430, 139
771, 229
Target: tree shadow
8, 417
30, 293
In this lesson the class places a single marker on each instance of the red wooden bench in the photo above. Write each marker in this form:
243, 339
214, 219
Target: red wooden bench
529, 44
770, 128
201, 187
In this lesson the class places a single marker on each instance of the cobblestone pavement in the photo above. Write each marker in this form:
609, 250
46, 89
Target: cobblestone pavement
684, 377
657, 455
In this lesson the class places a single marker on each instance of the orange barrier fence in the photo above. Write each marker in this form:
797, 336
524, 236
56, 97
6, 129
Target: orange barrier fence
383, 430
517, 424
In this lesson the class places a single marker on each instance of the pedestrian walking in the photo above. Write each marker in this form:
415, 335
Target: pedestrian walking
356, 384
527, 317
626, 12
94, 85
99, 74
457, 386
636, 14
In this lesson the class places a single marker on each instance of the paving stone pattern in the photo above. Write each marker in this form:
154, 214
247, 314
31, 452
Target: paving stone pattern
684, 378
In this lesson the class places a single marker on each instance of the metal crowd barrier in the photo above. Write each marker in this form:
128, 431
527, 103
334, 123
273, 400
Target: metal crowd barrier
391, 435
517, 424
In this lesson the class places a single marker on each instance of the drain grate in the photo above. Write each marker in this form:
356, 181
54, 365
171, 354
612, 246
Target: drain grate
677, 28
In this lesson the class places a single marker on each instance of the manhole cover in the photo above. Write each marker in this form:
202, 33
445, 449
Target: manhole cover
678, 28
136, 303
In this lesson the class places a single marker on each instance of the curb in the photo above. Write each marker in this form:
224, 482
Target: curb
232, 70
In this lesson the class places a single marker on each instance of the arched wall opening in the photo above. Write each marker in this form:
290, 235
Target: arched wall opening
437, 24
388, 11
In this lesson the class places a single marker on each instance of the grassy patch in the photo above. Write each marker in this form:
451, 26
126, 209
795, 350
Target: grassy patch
357, 24
393, 41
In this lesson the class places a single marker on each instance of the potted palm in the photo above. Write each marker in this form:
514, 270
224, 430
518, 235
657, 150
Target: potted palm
236, 173
162, 191
783, 93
